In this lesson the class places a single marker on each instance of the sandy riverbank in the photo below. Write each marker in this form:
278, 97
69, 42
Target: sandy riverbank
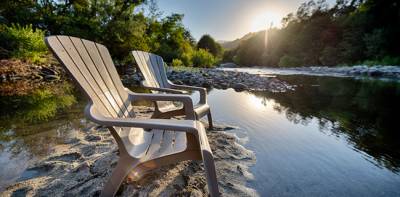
81, 166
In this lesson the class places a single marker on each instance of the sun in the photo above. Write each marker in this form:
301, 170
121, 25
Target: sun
265, 20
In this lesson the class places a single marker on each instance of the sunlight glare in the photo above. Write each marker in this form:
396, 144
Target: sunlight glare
256, 102
264, 20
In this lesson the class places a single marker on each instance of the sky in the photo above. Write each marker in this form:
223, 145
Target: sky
229, 19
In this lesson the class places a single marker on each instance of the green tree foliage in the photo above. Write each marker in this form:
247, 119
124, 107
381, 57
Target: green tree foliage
176, 63
22, 43
208, 43
202, 58
169, 38
289, 61
350, 32
119, 24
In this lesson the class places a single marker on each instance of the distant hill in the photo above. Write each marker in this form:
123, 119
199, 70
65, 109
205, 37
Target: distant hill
229, 45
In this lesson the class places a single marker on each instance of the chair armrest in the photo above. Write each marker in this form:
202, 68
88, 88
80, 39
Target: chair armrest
202, 91
185, 99
167, 90
163, 124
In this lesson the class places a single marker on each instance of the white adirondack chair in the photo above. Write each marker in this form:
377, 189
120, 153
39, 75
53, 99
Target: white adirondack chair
164, 141
152, 68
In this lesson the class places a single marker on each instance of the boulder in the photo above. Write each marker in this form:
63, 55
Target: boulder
239, 87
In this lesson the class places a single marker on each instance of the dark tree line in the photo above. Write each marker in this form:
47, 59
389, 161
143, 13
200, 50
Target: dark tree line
350, 32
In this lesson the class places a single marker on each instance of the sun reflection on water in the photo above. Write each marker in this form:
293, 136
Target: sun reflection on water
256, 102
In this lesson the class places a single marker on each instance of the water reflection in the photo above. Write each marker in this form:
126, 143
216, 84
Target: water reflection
32, 124
330, 137
365, 112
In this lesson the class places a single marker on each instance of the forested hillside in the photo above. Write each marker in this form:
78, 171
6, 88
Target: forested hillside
350, 32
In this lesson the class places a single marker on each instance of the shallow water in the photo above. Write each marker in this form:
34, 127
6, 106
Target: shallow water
329, 137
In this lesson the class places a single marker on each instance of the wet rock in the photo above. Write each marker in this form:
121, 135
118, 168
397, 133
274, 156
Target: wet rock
88, 150
47, 71
51, 77
239, 87
93, 138
375, 73
68, 157
101, 165
21, 192
71, 140
206, 84
35, 172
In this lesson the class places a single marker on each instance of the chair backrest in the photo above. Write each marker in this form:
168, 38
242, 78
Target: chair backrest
91, 66
152, 68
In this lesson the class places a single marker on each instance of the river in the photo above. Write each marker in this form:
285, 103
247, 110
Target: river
331, 136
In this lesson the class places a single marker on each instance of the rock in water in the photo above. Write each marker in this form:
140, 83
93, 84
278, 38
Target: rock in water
240, 87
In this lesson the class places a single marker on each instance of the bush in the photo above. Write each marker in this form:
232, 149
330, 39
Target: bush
23, 43
289, 61
202, 58
176, 63
186, 58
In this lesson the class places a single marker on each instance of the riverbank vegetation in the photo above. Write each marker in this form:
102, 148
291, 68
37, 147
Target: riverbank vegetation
350, 32
33, 86
122, 26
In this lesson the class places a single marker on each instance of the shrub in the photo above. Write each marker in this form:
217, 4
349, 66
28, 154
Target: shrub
202, 58
289, 61
23, 43
176, 63
186, 58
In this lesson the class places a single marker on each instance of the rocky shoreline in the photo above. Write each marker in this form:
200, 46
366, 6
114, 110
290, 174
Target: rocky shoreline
358, 71
214, 78
81, 165
18, 77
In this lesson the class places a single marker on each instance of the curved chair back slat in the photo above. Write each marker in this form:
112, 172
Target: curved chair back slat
91, 66
152, 68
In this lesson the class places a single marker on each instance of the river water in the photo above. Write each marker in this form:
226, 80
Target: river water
329, 137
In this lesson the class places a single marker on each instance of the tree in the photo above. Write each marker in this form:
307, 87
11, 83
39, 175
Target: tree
208, 43
116, 24
170, 39
350, 32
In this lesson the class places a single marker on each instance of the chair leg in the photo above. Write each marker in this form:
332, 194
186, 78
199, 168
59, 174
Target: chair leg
124, 166
211, 175
210, 122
